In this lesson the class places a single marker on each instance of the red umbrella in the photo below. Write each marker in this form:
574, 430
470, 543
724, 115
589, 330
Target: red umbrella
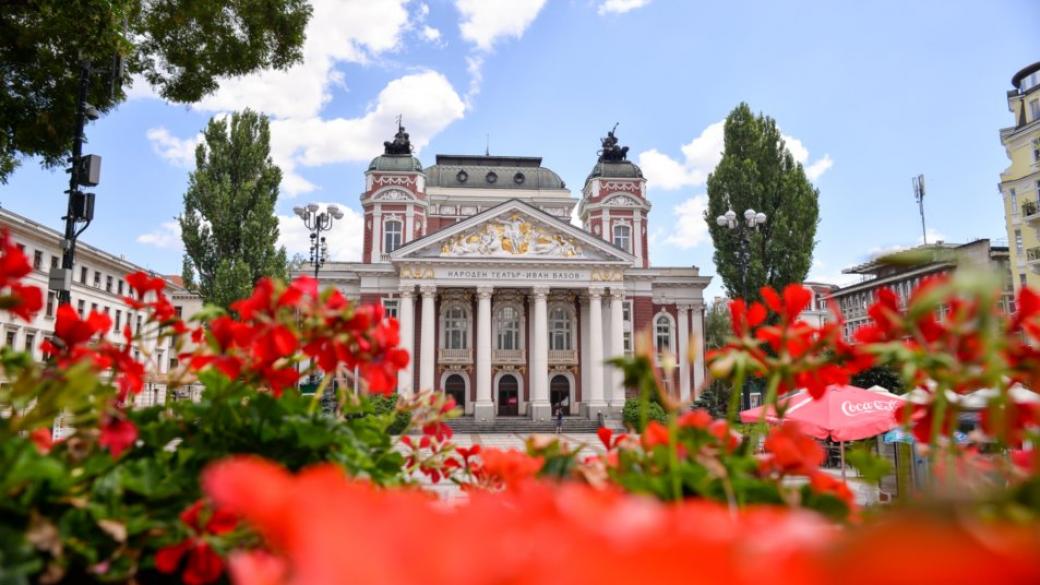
843, 413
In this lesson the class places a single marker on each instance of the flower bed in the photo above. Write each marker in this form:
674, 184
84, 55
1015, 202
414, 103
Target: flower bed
257, 484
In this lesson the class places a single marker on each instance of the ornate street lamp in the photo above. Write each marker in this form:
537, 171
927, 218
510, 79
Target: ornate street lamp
742, 230
318, 221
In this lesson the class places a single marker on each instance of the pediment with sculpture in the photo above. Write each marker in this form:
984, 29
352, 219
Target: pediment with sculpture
512, 236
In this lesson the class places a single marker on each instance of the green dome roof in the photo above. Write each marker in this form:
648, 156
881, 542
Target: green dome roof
396, 162
622, 169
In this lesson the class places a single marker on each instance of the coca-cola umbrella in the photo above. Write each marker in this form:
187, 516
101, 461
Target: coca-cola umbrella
843, 413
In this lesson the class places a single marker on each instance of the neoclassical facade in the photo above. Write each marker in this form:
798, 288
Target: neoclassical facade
503, 302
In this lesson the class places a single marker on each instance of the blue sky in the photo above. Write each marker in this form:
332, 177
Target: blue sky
870, 93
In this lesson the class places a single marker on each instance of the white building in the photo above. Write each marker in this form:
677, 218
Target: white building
503, 303
99, 285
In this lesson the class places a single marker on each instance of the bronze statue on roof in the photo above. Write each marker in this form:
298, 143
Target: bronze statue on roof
400, 144
611, 152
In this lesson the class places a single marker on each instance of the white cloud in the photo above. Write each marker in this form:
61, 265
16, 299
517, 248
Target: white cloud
620, 6
431, 34
178, 151
486, 21
339, 30
700, 156
345, 239
703, 153
167, 235
426, 101
690, 228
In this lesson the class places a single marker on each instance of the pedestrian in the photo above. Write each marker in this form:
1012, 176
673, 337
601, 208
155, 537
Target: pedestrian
559, 420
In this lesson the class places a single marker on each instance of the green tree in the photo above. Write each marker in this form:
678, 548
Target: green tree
758, 172
228, 226
180, 47
884, 376
715, 397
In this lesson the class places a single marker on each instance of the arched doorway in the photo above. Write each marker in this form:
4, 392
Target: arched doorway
508, 396
455, 387
560, 393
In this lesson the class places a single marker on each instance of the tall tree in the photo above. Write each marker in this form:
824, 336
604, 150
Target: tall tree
229, 226
180, 47
758, 172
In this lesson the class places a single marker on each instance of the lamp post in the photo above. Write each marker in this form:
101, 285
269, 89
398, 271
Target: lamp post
742, 230
318, 221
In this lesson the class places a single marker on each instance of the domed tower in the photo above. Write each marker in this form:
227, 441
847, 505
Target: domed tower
394, 200
613, 202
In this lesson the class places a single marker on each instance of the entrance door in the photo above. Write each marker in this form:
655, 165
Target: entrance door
560, 393
455, 387
508, 396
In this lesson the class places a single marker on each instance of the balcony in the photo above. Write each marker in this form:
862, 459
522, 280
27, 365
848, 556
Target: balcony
456, 356
508, 356
1033, 254
1030, 211
384, 257
566, 357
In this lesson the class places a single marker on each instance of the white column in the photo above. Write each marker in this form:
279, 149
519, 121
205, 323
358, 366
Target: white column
377, 234
683, 356
428, 342
406, 317
617, 347
595, 403
484, 408
608, 230
698, 347
409, 226
540, 407
584, 358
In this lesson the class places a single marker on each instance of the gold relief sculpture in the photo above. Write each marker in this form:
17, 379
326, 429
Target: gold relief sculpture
607, 276
513, 236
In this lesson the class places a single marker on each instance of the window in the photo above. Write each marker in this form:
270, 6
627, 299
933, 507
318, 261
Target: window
178, 311
1013, 197
81, 307
508, 328
10, 338
559, 329
391, 236
1018, 242
108, 284
1022, 279
663, 333
83, 275
1034, 110
37, 259
138, 332
55, 261
173, 364
93, 307
50, 305
455, 327
391, 307
119, 319
626, 320
30, 343
623, 237
120, 287
97, 279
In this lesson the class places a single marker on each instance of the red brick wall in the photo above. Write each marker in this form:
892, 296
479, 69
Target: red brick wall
366, 254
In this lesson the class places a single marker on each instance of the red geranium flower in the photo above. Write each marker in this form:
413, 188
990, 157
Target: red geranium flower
117, 435
793, 451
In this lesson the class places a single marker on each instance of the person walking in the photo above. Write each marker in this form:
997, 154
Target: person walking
559, 420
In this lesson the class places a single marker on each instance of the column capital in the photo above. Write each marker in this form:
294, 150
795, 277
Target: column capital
407, 291
595, 292
485, 292
540, 292
428, 290
617, 294
684, 306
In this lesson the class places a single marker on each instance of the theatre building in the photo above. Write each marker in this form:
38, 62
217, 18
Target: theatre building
503, 302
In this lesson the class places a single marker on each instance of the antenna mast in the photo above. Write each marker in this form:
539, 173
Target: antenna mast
919, 196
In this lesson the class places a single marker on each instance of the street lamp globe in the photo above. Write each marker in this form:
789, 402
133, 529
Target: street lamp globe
721, 220
299, 211
749, 215
312, 207
760, 218
730, 216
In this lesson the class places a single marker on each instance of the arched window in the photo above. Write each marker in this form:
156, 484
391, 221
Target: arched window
392, 233
508, 328
623, 237
456, 327
559, 328
663, 333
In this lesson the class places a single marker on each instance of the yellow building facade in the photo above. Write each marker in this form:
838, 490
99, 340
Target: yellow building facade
1020, 182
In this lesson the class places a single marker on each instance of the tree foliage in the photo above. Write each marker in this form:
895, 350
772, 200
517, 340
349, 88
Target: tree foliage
180, 47
228, 226
884, 376
758, 172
